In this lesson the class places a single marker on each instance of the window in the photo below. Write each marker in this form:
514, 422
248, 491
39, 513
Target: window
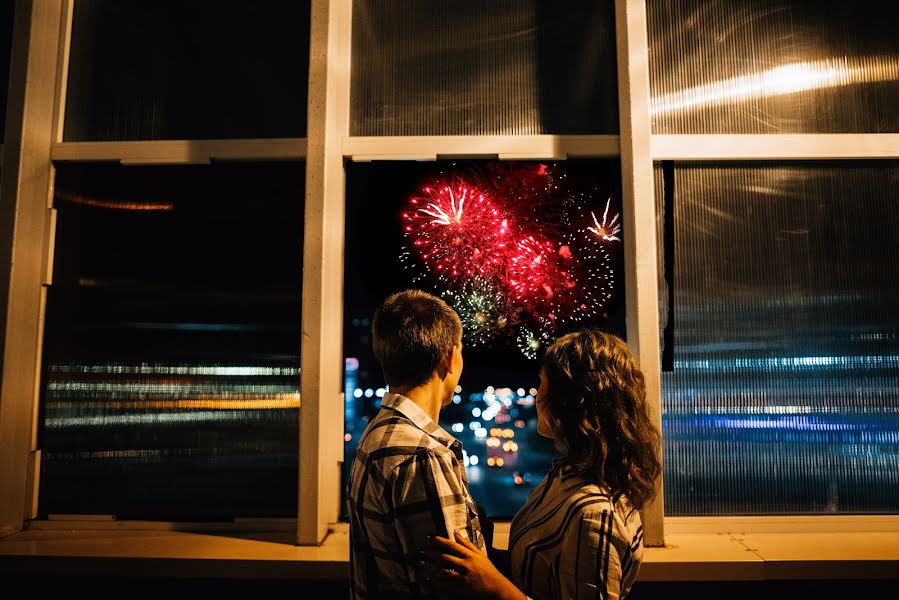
171, 354
475, 67
528, 251
157, 70
472, 80
783, 395
773, 66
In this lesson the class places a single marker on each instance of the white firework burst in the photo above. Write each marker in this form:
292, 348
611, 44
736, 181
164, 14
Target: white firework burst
607, 230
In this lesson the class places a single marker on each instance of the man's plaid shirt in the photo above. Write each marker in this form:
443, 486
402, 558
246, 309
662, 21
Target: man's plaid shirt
407, 483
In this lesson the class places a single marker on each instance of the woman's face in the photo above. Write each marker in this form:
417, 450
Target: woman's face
543, 427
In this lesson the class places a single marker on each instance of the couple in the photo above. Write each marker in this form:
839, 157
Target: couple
414, 528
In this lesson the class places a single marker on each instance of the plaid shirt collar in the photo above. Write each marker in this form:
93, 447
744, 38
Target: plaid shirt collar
420, 419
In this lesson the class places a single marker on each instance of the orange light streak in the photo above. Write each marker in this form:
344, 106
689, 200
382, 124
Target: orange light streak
279, 402
88, 201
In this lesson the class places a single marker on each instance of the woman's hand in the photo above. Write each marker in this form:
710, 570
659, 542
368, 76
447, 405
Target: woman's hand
460, 564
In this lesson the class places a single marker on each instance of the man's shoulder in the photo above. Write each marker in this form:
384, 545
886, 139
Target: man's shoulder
391, 439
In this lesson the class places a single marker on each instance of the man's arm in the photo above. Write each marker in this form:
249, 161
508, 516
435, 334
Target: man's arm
428, 499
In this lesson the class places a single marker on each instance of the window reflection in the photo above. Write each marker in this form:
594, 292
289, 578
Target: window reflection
783, 398
172, 339
773, 66
471, 67
204, 69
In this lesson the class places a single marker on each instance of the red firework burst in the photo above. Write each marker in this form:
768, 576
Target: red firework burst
543, 279
457, 230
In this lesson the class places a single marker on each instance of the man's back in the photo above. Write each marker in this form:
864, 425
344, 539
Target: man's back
407, 483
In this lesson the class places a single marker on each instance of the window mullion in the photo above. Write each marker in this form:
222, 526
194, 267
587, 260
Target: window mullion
321, 410
767, 146
181, 151
639, 221
503, 147
26, 178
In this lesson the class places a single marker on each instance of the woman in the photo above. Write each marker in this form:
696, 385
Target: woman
579, 535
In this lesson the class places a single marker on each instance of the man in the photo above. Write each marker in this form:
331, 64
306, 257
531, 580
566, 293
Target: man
408, 480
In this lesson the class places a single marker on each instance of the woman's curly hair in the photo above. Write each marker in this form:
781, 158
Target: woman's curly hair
596, 403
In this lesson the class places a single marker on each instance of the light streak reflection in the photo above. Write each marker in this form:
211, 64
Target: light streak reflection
129, 395
113, 204
790, 363
779, 81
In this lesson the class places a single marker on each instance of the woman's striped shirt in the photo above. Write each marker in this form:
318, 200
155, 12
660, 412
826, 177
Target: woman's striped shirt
572, 539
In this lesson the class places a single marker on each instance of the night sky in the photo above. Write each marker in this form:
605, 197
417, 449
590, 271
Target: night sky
376, 196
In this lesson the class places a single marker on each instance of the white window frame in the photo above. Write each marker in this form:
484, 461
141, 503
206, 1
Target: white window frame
34, 146
27, 214
327, 146
638, 200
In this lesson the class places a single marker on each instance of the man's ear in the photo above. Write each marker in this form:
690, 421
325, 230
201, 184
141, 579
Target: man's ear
445, 366
448, 362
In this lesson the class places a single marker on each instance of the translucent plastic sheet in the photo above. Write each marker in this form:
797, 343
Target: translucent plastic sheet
483, 67
785, 392
773, 66
204, 69
172, 341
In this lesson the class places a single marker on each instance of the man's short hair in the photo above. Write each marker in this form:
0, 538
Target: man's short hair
412, 331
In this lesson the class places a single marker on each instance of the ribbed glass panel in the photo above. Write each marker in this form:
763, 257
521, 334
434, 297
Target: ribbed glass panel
171, 352
483, 67
204, 69
774, 66
785, 391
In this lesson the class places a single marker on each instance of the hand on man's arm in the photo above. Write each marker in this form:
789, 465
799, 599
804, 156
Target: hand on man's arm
460, 567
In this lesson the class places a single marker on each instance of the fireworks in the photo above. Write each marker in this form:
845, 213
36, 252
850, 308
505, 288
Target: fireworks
480, 311
519, 253
528, 343
543, 280
457, 231
607, 230
600, 274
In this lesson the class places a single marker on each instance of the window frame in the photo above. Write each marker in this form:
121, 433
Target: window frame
36, 144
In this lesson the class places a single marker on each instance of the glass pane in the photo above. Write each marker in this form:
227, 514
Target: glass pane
171, 352
510, 212
167, 69
785, 391
483, 67
774, 66
7, 15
